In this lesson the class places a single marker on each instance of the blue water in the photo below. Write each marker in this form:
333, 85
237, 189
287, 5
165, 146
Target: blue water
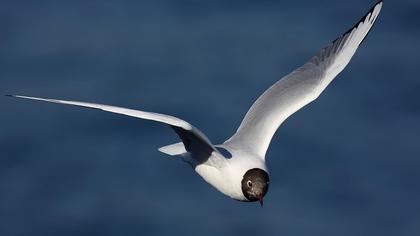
348, 164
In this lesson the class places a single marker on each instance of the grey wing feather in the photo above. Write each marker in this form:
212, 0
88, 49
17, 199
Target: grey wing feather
194, 140
298, 88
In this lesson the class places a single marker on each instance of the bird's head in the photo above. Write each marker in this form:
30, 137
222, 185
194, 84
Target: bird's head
255, 184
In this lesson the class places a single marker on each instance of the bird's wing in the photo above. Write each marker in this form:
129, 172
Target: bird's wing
194, 140
298, 88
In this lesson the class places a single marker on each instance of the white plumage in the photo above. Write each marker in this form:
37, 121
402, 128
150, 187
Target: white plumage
246, 149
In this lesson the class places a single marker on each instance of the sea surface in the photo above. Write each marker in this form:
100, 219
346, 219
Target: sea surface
348, 164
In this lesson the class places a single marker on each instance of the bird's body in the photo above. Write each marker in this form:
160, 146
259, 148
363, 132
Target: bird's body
237, 167
227, 177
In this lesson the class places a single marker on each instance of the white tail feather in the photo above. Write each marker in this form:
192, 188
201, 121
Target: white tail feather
173, 149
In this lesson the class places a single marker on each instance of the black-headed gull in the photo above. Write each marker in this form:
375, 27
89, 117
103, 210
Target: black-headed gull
237, 167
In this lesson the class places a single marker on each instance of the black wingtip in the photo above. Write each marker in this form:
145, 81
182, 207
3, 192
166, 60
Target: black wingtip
361, 20
9, 95
370, 12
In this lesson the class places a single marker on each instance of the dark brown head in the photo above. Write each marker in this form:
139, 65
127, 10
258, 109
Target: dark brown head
255, 184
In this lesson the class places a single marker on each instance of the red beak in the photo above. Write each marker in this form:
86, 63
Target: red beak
260, 199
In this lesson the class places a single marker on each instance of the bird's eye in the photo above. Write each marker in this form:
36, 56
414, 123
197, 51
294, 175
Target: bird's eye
249, 183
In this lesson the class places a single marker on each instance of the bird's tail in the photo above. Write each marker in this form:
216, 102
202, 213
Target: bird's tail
173, 149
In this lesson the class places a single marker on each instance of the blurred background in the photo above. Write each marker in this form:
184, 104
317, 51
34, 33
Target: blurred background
348, 164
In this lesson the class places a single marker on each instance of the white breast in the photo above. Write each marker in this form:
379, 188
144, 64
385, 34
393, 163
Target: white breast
227, 179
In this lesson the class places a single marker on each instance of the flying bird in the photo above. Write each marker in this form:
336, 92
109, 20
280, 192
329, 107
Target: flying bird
237, 167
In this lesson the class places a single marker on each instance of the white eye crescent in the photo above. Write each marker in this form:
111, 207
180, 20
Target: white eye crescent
249, 183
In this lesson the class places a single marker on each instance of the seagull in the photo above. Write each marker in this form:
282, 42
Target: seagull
237, 167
